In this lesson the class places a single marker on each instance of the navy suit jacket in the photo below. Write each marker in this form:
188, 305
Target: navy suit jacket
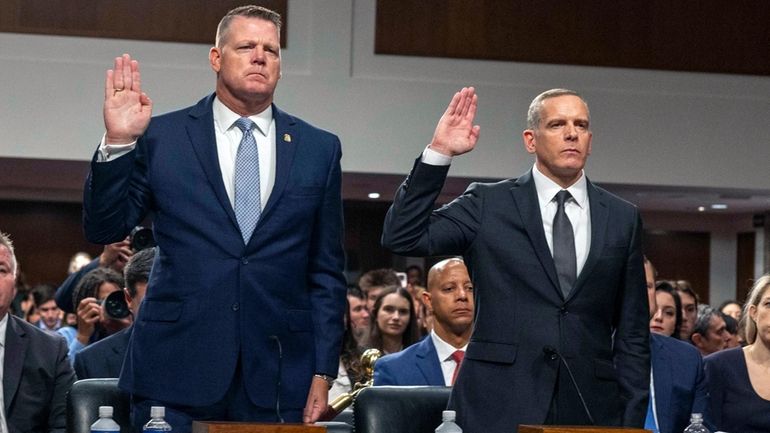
104, 358
418, 364
277, 299
36, 378
601, 328
680, 384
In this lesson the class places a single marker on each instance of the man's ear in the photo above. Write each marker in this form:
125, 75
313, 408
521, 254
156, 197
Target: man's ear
426, 300
697, 339
529, 140
215, 59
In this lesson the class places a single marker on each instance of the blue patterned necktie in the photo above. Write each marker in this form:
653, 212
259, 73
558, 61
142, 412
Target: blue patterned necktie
564, 255
248, 202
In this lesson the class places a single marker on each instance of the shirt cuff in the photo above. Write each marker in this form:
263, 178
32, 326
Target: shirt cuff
431, 157
111, 152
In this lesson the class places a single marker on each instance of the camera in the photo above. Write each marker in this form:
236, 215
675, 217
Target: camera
115, 306
141, 238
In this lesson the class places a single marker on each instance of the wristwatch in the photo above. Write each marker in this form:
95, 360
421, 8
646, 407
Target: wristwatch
329, 380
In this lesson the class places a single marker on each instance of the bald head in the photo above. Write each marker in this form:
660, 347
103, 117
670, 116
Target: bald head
450, 299
434, 275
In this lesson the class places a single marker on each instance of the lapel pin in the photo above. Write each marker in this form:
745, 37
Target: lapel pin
287, 138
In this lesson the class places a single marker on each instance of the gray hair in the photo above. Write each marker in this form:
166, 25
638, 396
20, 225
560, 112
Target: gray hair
533, 114
5, 240
249, 11
755, 295
703, 321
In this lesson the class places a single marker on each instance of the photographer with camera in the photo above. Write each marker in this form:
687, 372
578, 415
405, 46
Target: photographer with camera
93, 323
115, 256
104, 358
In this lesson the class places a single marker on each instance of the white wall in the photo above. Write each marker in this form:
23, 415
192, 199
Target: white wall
650, 127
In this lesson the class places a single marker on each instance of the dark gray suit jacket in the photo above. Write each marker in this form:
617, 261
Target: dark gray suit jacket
36, 378
601, 328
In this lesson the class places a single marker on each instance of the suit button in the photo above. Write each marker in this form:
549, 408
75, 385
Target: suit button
554, 357
563, 311
244, 261
236, 307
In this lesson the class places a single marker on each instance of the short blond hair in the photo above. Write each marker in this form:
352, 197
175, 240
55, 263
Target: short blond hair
755, 295
5, 240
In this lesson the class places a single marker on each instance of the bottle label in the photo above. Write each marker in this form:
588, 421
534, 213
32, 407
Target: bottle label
104, 431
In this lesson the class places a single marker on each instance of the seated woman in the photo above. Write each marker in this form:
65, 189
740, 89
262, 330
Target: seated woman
737, 378
667, 319
393, 327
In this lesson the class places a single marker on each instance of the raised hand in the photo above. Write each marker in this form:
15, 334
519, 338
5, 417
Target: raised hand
455, 133
127, 110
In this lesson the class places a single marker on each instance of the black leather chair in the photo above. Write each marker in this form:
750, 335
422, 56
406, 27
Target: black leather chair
87, 395
399, 409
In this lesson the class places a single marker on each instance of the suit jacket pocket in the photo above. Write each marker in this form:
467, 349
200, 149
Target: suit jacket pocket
161, 311
603, 369
491, 352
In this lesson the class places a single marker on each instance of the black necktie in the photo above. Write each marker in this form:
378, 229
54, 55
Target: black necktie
564, 245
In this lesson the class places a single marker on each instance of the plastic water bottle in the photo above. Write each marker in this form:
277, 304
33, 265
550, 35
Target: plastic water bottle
105, 423
448, 425
696, 424
156, 422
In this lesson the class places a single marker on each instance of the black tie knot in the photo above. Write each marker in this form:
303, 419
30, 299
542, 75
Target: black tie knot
562, 197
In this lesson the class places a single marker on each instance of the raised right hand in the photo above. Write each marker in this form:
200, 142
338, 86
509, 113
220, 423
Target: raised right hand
127, 110
455, 133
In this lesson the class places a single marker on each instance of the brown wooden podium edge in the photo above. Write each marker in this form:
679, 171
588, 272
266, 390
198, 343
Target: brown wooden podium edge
248, 427
577, 429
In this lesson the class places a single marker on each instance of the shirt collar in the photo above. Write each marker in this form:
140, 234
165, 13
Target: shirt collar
224, 118
3, 328
444, 349
547, 188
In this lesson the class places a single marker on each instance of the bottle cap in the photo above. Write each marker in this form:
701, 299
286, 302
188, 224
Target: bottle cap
448, 415
157, 412
696, 417
105, 411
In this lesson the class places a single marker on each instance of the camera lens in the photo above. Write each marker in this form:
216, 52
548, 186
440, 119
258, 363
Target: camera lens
142, 238
115, 306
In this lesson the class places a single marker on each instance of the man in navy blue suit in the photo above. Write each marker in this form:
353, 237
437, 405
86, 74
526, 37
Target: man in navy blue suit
243, 317
678, 382
436, 359
105, 357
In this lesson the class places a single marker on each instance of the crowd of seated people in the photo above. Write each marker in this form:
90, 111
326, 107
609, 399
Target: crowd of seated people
707, 360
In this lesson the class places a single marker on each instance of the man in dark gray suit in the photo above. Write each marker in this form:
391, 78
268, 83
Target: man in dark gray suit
36, 371
561, 333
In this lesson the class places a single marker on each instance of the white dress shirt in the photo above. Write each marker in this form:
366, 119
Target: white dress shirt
578, 209
3, 328
445, 351
228, 137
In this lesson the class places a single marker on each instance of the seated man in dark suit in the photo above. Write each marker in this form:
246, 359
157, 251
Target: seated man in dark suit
436, 359
36, 373
678, 385
105, 357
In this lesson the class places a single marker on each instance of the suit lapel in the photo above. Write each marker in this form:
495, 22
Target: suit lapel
200, 130
525, 196
15, 351
599, 218
662, 379
428, 362
286, 138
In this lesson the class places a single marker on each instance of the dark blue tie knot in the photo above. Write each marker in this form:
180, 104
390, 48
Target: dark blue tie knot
245, 124
562, 197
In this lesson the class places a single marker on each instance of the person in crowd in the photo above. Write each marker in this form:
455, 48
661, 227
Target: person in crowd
358, 315
104, 358
414, 276
709, 334
436, 359
36, 372
50, 314
247, 212
350, 370
737, 379
93, 324
392, 327
689, 301
114, 256
558, 266
677, 383
731, 308
733, 331
373, 282
667, 320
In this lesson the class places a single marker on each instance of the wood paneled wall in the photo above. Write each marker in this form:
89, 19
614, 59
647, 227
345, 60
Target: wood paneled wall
681, 256
682, 35
167, 20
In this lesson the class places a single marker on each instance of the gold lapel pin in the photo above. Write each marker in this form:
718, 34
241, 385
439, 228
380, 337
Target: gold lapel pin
287, 138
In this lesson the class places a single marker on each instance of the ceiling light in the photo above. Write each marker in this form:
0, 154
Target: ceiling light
701, 209
374, 195
718, 206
